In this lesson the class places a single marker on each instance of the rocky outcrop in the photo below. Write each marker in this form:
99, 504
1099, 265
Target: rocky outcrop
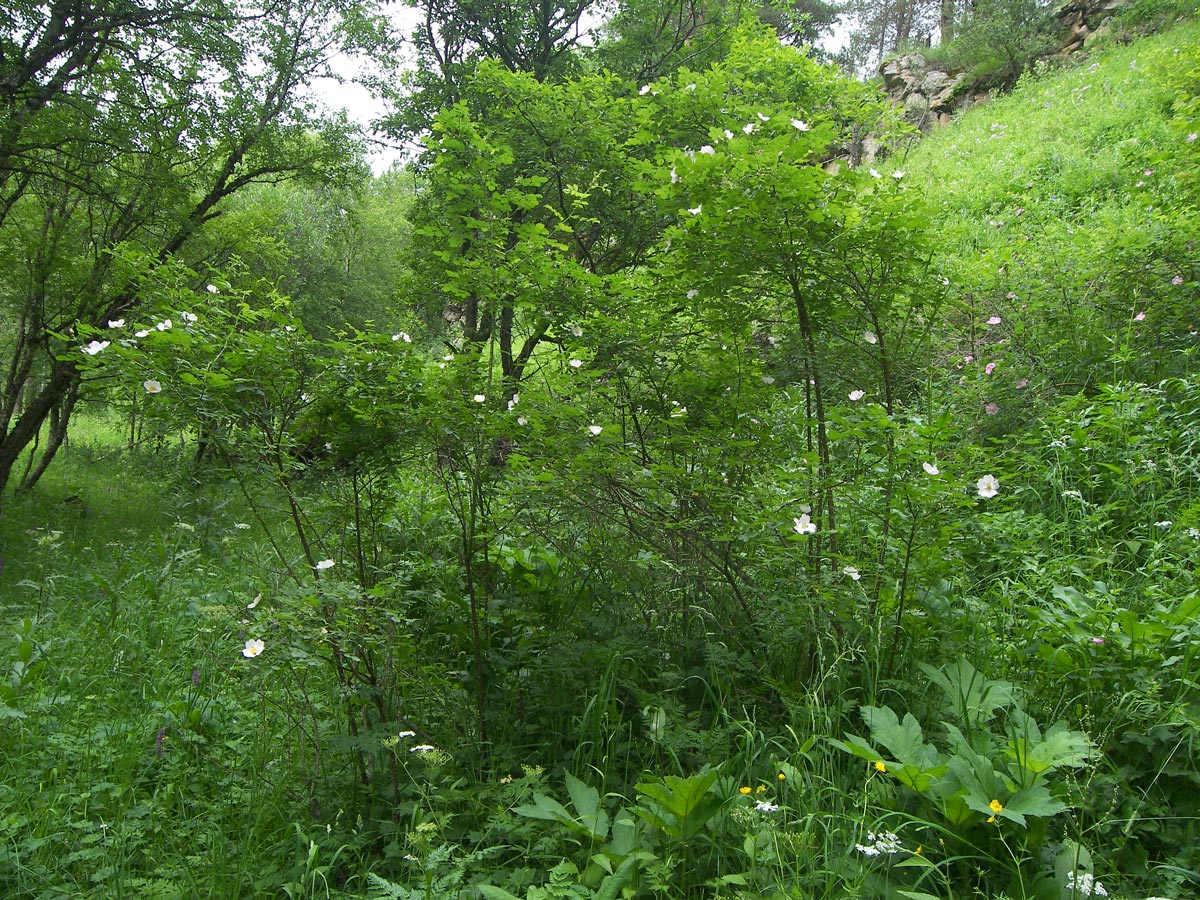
931, 96
1082, 21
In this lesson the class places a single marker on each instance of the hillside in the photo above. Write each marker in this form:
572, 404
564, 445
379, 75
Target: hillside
1067, 208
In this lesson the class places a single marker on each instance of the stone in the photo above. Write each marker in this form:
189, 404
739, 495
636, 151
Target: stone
933, 82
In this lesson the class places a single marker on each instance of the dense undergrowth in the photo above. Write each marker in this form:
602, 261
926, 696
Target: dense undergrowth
604, 637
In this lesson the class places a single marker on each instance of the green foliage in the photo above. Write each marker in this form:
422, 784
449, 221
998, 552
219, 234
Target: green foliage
997, 40
680, 807
995, 765
678, 460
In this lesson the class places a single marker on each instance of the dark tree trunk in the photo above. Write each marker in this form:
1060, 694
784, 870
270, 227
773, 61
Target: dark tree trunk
60, 419
63, 378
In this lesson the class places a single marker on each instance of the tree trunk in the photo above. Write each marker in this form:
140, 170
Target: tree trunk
825, 466
62, 377
60, 419
946, 23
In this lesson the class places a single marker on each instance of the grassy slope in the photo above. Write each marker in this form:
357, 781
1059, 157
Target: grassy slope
1057, 210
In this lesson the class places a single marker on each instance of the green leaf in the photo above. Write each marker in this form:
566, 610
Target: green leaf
586, 801
546, 808
858, 747
968, 693
1033, 801
686, 800
611, 886
1059, 747
904, 739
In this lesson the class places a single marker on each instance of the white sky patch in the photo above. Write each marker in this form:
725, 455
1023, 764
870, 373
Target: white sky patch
360, 105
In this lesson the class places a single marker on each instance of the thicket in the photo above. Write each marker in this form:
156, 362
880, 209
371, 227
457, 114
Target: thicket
674, 515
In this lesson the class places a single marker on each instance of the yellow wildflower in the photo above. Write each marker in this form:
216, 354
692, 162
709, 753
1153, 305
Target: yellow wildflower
743, 790
781, 777
879, 766
761, 789
995, 807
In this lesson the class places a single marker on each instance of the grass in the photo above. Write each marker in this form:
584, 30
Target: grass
138, 756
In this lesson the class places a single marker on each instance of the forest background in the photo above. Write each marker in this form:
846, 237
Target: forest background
641, 491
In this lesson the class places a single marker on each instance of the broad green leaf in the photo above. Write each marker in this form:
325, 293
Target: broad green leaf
968, 693
624, 834
586, 801
545, 808
1060, 746
904, 740
610, 888
917, 778
1034, 801
686, 800
858, 747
